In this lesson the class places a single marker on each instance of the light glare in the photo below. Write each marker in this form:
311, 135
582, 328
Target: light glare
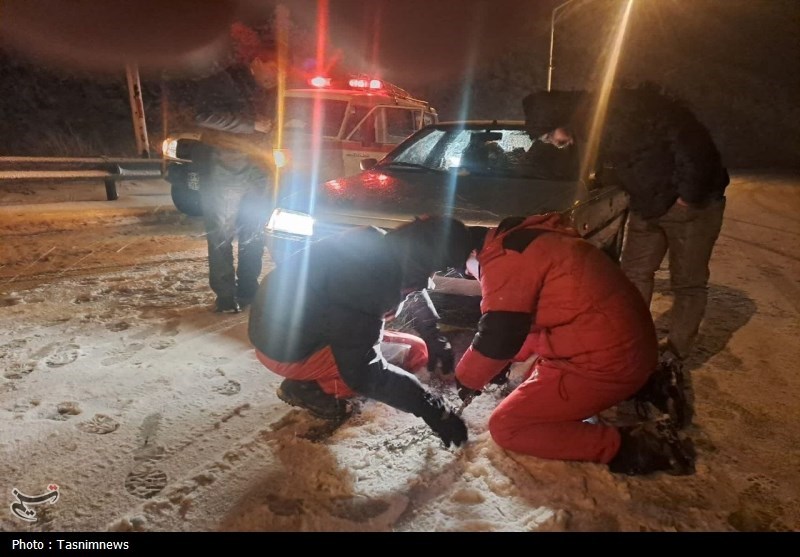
291, 222
320, 81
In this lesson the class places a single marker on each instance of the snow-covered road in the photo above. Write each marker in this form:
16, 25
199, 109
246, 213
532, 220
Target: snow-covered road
150, 412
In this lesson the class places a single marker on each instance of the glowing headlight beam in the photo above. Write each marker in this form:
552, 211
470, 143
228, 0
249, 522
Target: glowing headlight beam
291, 222
595, 131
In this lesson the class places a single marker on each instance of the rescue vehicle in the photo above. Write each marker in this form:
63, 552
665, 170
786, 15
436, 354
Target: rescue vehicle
329, 126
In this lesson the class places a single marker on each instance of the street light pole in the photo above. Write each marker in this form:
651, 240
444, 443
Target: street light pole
552, 41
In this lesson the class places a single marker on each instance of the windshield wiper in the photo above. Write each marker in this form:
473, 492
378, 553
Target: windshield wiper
410, 165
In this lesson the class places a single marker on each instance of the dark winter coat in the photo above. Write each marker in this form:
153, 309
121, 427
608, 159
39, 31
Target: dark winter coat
553, 163
228, 105
336, 294
651, 144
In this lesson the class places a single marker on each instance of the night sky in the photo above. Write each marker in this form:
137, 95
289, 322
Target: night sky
422, 39
734, 61
414, 41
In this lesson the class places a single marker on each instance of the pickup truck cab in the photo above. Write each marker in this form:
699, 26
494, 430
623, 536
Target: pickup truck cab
328, 127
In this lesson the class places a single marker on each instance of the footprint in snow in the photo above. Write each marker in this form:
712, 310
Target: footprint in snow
230, 387
63, 356
99, 424
145, 482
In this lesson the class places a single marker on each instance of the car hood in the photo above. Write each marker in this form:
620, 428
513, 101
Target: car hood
386, 197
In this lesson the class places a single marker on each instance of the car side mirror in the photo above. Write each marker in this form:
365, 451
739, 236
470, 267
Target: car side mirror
368, 164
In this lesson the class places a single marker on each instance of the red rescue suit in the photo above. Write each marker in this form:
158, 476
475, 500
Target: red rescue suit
321, 365
549, 293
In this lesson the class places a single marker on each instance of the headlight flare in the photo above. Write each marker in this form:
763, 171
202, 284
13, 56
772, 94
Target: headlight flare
169, 148
291, 222
281, 157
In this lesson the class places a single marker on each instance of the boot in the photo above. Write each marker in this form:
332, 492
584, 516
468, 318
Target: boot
667, 352
653, 447
666, 391
226, 305
309, 395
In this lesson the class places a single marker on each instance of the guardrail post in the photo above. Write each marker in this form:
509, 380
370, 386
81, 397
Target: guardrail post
111, 189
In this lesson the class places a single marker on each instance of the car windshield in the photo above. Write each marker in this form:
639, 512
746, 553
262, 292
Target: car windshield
300, 115
492, 151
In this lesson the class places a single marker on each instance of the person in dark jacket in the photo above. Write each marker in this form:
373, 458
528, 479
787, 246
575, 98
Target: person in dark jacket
318, 319
667, 162
235, 110
553, 298
554, 156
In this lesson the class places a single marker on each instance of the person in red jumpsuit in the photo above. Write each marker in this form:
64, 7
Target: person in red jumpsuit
552, 297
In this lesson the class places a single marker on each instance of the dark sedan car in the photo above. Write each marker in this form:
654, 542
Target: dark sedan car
479, 172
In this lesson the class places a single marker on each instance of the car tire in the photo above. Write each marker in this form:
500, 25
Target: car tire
185, 198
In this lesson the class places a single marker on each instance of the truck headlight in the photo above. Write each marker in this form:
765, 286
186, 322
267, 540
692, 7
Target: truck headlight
169, 148
281, 157
291, 222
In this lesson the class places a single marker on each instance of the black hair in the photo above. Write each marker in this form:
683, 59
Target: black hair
477, 235
429, 244
547, 110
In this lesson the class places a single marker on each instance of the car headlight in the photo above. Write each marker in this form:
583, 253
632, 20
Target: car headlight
291, 222
281, 157
170, 148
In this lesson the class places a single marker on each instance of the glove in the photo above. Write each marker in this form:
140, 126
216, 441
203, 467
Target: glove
440, 351
450, 428
502, 377
465, 392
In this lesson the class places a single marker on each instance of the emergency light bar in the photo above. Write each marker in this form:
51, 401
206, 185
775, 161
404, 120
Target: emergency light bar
320, 82
362, 83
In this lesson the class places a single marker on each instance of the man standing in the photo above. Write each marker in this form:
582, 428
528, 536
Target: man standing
667, 162
318, 317
235, 109
548, 294
554, 156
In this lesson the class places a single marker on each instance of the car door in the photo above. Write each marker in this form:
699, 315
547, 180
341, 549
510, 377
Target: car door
379, 131
362, 142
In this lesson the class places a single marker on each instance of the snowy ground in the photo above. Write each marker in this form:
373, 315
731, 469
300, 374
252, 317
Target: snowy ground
151, 413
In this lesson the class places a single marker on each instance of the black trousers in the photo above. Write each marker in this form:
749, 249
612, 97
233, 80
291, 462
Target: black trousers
236, 202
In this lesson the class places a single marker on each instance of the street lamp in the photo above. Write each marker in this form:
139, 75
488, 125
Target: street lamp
552, 40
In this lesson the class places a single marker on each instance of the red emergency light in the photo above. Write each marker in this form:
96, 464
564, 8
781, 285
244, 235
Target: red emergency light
368, 83
363, 83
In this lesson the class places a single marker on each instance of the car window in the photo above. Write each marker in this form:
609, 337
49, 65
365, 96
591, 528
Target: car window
419, 151
480, 151
300, 115
400, 123
364, 131
488, 151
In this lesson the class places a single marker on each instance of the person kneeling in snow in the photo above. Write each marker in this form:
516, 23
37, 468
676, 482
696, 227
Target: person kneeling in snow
318, 319
549, 294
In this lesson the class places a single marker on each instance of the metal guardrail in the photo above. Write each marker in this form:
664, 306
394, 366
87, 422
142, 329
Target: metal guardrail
109, 170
